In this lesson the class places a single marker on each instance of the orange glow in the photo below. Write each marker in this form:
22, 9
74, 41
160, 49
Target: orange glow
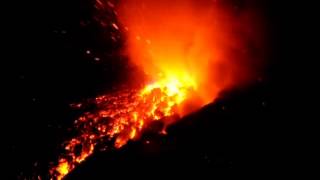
199, 44
63, 168
190, 50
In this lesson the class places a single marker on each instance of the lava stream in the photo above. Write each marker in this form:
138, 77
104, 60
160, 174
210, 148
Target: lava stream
121, 117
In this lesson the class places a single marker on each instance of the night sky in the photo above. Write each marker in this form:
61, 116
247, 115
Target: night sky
59, 55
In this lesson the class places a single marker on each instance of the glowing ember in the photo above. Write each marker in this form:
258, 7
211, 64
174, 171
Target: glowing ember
191, 49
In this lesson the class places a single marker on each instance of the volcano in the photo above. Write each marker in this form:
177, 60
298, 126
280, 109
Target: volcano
189, 51
159, 84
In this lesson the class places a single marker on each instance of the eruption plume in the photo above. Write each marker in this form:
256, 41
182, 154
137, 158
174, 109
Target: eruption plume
190, 50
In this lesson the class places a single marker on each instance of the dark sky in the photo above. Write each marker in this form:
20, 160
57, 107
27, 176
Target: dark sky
49, 69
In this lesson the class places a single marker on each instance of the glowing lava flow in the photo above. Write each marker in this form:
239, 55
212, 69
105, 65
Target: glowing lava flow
121, 117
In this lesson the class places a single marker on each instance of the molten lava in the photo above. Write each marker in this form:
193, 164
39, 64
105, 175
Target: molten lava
192, 50
121, 117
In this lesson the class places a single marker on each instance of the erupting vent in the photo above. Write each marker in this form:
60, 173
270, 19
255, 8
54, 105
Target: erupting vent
191, 49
